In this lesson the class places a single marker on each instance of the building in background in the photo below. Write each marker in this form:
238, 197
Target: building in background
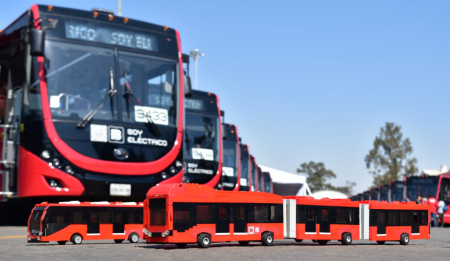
287, 184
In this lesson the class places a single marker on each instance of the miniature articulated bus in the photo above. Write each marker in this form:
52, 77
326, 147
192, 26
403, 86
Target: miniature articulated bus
182, 214
77, 221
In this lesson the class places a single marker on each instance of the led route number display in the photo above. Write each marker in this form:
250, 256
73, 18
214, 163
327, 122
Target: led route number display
111, 36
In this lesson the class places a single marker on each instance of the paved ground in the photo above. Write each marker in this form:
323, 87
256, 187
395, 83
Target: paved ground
13, 246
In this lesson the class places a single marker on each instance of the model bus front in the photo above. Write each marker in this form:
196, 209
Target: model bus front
231, 158
245, 180
203, 140
102, 115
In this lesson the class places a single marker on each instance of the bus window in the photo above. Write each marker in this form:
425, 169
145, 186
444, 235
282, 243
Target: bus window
261, 214
310, 214
405, 218
204, 214
105, 217
77, 218
340, 216
301, 214
93, 218
181, 216
118, 218
222, 213
273, 213
324, 214
424, 218
240, 213
393, 218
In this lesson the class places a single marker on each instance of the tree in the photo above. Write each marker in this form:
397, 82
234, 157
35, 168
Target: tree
390, 158
318, 175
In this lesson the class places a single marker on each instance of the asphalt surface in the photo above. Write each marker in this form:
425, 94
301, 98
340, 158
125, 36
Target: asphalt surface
13, 246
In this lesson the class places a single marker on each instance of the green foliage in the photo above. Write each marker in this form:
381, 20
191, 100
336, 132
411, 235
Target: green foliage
390, 159
318, 175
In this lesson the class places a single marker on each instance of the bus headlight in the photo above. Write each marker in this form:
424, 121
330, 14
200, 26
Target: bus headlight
164, 175
29, 238
144, 230
178, 164
69, 169
39, 238
165, 233
56, 162
172, 170
40, 233
46, 154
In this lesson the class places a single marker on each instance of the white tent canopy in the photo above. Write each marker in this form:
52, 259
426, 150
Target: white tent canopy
328, 194
287, 181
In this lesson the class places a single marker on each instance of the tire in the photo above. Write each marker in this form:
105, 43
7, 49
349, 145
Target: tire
61, 242
203, 240
118, 241
346, 239
381, 242
298, 240
322, 242
404, 239
244, 243
133, 238
76, 239
267, 239
181, 245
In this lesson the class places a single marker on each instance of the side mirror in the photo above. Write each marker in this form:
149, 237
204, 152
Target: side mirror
37, 38
224, 132
187, 86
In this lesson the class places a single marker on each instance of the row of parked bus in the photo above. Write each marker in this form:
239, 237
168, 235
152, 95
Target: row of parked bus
437, 186
100, 106
184, 214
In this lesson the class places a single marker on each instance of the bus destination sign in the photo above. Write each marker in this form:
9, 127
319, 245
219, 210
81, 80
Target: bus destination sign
194, 104
112, 36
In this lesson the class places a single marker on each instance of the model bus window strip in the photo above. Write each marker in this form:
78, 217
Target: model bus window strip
398, 217
336, 215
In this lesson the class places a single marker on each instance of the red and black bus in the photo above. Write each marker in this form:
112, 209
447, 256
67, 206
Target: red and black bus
425, 185
396, 191
94, 107
268, 186
374, 195
254, 170
231, 170
384, 192
246, 173
76, 221
203, 140
184, 214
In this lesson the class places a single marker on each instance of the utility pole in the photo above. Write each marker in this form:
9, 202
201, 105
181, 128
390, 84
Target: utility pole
119, 8
195, 54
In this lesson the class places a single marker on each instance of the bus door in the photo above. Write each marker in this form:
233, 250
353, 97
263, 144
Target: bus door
381, 222
118, 224
324, 217
93, 227
415, 222
240, 221
310, 224
223, 221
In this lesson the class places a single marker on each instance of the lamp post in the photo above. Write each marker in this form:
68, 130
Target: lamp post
119, 8
195, 54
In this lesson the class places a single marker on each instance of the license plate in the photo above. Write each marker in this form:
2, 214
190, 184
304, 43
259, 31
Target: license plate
120, 189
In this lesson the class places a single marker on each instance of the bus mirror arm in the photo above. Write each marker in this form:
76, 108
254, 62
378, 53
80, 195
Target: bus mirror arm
37, 38
187, 86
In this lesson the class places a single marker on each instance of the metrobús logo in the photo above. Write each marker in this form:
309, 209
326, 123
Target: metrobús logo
134, 137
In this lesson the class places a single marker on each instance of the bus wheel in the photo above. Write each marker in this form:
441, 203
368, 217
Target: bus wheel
203, 240
76, 239
346, 239
181, 245
133, 238
322, 242
61, 242
381, 242
267, 238
298, 240
404, 239
243, 243
118, 241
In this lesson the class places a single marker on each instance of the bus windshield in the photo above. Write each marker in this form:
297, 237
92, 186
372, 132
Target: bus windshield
35, 222
444, 191
267, 182
423, 186
202, 132
244, 168
384, 193
397, 191
230, 158
253, 176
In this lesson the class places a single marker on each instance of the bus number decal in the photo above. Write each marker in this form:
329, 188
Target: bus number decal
202, 154
227, 171
158, 116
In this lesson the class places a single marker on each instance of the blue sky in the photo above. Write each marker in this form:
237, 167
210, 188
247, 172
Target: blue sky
314, 80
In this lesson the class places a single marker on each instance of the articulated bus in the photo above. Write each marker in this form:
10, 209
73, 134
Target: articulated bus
231, 170
260, 180
254, 183
246, 173
95, 105
184, 214
374, 195
203, 140
424, 185
268, 186
397, 191
76, 221
384, 192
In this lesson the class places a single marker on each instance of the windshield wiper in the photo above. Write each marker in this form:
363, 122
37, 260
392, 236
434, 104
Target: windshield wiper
129, 94
109, 95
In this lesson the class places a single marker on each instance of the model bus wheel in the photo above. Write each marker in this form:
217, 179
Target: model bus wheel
322, 242
133, 238
381, 242
404, 239
346, 239
244, 243
181, 245
298, 240
203, 240
61, 242
76, 239
118, 241
267, 238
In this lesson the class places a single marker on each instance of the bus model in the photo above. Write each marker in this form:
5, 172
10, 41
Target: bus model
94, 107
425, 185
268, 186
190, 213
254, 170
76, 221
341, 219
246, 173
231, 170
374, 195
260, 178
203, 140
384, 192
396, 190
